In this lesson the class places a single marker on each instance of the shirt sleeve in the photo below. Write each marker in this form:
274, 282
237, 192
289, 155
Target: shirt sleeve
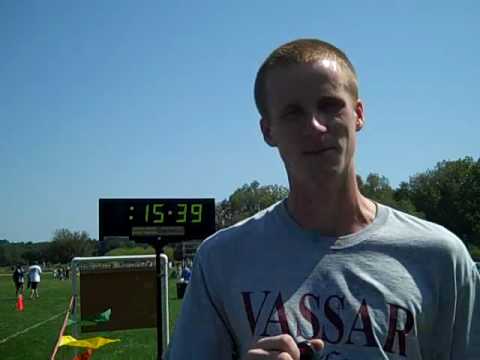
200, 331
466, 337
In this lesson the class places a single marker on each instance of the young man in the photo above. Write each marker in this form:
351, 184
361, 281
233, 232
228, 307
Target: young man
18, 279
34, 273
356, 278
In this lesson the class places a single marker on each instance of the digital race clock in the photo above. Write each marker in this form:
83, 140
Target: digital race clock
146, 220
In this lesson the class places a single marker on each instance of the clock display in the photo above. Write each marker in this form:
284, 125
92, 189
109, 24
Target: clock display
149, 219
155, 213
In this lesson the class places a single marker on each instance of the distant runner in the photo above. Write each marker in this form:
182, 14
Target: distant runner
34, 273
19, 279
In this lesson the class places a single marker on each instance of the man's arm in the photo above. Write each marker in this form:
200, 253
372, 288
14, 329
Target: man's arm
466, 337
200, 332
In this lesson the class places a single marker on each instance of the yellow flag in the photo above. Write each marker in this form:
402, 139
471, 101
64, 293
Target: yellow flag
90, 343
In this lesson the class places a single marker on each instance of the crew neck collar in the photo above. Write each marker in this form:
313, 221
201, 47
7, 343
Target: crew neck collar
334, 242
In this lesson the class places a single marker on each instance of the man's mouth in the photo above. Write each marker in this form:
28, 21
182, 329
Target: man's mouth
319, 151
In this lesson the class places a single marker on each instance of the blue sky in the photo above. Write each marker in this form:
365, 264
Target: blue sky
154, 98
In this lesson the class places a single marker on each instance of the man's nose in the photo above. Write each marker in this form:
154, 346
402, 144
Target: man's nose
317, 122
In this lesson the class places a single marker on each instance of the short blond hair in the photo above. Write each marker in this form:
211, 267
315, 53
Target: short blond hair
299, 52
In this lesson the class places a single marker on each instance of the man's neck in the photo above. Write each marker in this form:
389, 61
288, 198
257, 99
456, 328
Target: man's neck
334, 210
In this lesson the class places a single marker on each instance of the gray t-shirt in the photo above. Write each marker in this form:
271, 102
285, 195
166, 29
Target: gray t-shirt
401, 288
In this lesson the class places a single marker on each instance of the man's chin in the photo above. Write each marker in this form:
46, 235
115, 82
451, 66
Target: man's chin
326, 172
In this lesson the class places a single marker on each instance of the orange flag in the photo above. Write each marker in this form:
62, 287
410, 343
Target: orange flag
86, 355
20, 305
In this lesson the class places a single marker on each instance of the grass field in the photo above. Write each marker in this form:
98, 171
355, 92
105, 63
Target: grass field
32, 334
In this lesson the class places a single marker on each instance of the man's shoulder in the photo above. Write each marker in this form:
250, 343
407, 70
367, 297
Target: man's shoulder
243, 232
422, 232
416, 223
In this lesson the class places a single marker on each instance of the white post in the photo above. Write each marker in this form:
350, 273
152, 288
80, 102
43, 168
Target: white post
165, 317
74, 274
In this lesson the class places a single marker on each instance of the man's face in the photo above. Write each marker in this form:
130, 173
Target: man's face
312, 119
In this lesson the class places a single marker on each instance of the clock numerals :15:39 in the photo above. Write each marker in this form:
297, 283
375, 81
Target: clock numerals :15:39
155, 213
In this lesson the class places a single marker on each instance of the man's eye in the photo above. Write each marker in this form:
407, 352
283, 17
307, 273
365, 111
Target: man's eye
331, 105
292, 111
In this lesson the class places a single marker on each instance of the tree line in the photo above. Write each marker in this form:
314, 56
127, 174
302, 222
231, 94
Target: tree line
448, 194
62, 248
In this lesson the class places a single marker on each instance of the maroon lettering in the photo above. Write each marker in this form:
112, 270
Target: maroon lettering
309, 316
393, 329
247, 302
367, 328
282, 317
334, 318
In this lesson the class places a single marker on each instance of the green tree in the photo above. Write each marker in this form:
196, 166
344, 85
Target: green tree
450, 195
3, 258
34, 252
377, 187
66, 245
246, 201
13, 254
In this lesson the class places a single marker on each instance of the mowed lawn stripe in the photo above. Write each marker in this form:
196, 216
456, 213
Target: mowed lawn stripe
38, 341
29, 328
54, 297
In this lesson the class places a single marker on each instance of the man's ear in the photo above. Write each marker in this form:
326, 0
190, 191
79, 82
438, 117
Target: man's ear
359, 115
267, 131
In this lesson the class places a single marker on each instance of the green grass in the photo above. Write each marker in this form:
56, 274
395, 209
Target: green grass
39, 342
